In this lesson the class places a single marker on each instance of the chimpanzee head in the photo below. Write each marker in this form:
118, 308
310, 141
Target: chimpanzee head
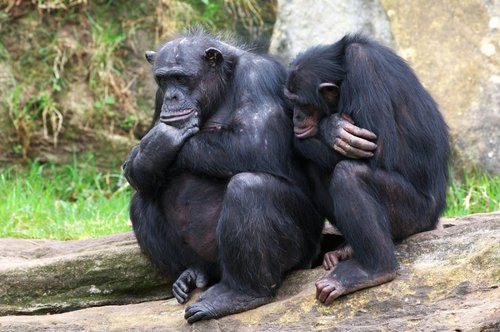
313, 86
192, 74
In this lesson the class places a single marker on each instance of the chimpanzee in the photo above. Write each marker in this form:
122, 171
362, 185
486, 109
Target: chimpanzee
400, 190
220, 197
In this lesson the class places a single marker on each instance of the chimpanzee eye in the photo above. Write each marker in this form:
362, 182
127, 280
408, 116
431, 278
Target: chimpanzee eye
311, 109
181, 79
162, 81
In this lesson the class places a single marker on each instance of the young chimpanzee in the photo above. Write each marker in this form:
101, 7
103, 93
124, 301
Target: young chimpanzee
398, 192
220, 197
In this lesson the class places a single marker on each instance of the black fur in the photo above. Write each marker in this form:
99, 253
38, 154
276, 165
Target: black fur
402, 189
227, 204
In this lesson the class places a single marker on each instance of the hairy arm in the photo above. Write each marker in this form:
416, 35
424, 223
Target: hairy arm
149, 160
315, 150
261, 146
368, 96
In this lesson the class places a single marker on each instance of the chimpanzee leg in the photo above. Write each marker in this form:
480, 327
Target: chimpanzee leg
154, 234
163, 245
266, 228
371, 208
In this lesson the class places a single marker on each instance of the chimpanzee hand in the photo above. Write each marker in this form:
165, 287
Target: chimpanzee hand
343, 136
163, 141
151, 157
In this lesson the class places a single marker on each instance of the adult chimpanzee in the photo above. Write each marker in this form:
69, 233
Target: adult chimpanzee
220, 198
398, 192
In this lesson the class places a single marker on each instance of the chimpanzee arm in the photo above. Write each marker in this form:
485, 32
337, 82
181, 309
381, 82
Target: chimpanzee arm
315, 150
228, 151
149, 160
370, 94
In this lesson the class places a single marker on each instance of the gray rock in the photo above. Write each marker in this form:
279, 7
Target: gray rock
303, 23
455, 52
477, 142
449, 280
39, 276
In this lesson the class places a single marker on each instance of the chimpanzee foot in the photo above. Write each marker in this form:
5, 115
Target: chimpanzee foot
332, 258
219, 300
348, 277
188, 280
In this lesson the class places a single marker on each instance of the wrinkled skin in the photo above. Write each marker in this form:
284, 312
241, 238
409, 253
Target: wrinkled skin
332, 258
343, 136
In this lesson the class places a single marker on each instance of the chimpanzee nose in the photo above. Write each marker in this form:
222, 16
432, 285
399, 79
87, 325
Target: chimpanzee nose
172, 97
298, 116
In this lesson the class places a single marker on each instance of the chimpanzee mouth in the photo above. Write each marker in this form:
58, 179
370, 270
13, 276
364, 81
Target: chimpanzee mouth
305, 131
177, 116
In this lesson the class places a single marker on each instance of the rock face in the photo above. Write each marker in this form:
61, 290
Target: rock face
39, 276
302, 23
453, 47
448, 281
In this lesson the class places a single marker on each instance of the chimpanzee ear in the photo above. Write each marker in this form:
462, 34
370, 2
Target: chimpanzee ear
329, 91
213, 56
150, 56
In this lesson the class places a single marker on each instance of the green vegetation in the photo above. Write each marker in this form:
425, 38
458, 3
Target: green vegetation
73, 201
474, 192
76, 200
73, 78
73, 67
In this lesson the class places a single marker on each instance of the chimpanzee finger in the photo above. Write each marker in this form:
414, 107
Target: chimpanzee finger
196, 317
320, 284
325, 292
189, 277
330, 260
360, 132
352, 152
332, 296
179, 294
188, 132
327, 265
356, 141
347, 118
339, 150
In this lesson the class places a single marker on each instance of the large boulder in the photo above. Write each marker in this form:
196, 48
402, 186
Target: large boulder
453, 46
46, 276
448, 281
300, 23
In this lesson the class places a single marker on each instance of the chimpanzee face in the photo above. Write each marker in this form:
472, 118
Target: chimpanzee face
311, 101
305, 117
187, 72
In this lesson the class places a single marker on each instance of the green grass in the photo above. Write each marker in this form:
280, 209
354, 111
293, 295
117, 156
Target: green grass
69, 202
473, 193
77, 201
